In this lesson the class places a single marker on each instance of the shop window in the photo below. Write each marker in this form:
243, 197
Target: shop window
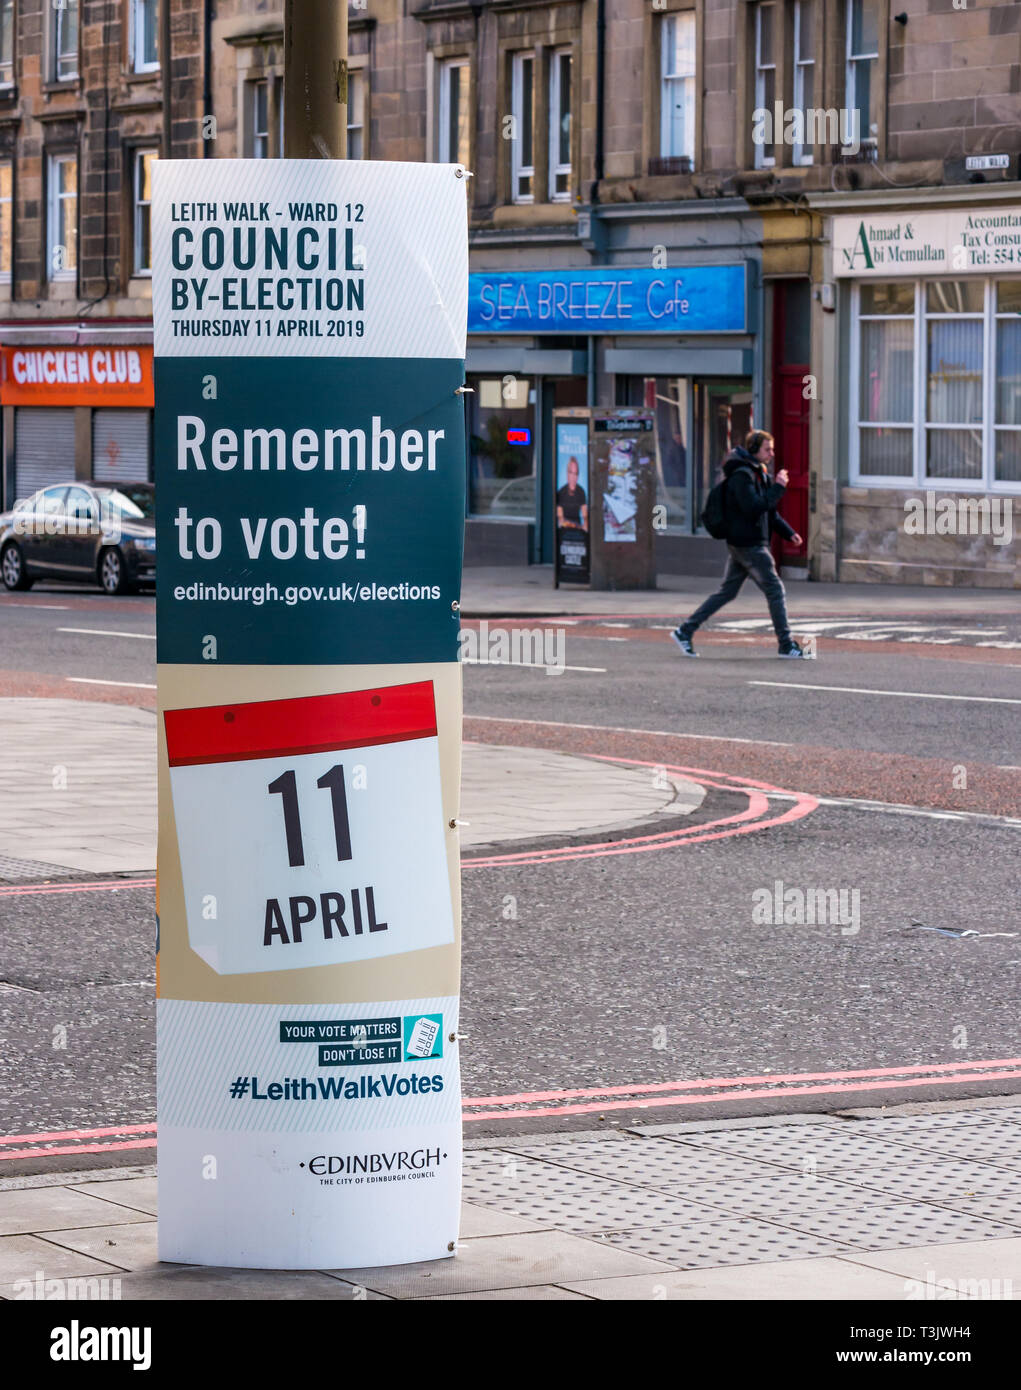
144, 32
804, 72
670, 398
862, 55
144, 160
938, 383
6, 43
356, 82
560, 126
6, 221
522, 141
953, 384
63, 41
1007, 430
765, 75
502, 447
62, 217
453, 114
677, 93
886, 388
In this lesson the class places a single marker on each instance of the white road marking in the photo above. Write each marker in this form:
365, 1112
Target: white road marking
893, 808
618, 729
903, 694
63, 607
108, 632
87, 680
537, 665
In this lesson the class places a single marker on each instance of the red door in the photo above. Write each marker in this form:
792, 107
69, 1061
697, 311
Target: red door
791, 432
791, 380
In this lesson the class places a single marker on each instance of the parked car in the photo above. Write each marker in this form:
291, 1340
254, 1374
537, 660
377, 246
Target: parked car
95, 530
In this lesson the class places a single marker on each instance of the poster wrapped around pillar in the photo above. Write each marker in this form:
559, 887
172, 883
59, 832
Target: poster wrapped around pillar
309, 321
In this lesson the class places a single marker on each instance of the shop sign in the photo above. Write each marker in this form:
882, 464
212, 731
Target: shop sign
609, 299
100, 376
928, 243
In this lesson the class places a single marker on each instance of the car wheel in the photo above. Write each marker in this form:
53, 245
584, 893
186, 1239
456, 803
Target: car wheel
112, 572
12, 567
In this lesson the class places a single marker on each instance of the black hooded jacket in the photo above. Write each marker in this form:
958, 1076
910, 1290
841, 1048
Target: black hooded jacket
751, 499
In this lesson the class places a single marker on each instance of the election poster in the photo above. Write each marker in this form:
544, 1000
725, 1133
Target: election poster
572, 500
308, 356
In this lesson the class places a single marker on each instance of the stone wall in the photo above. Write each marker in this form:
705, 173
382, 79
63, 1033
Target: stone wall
875, 545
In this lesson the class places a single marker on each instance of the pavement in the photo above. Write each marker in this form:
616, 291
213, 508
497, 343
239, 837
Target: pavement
79, 791
923, 1203
514, 590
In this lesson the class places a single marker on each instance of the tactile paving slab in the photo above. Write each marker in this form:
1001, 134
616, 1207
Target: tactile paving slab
14, 870
646, 1162
785, 1195
900, 1224
939, 1181
1004, 1208
725, 1242
813, 1148
982, 1144
578, 1204
575, 1201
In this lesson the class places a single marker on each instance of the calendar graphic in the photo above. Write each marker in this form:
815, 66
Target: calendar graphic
311, 830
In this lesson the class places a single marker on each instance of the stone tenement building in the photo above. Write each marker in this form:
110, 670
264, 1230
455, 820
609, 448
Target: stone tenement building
81, 121
802, 214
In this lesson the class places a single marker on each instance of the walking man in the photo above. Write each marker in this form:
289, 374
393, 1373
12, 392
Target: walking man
750, 501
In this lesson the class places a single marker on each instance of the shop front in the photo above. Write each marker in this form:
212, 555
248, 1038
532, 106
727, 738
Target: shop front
678, 341
77, 409
930, 423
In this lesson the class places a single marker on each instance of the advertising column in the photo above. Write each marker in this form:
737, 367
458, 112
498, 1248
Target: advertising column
309, 321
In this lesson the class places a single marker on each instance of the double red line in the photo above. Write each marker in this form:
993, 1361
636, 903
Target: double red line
591, 1100
722, 1089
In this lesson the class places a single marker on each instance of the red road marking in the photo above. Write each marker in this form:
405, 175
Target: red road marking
80, 1149
78, 1133
742, 1081
758, 804
744, 1095
17, 891
645, 1096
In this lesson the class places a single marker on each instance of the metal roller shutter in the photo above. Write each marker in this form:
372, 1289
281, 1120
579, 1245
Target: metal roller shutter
43, 448
120, 446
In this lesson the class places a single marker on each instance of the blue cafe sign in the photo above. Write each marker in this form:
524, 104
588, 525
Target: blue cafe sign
609, 299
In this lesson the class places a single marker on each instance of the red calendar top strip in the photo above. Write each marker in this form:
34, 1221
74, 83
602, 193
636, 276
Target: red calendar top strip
309, 724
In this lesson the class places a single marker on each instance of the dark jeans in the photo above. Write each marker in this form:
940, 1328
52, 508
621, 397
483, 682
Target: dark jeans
743, 561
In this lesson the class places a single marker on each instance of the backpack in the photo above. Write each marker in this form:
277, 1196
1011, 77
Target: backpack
714, 514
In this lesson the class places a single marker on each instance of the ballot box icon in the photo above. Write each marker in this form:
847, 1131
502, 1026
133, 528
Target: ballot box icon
311, 830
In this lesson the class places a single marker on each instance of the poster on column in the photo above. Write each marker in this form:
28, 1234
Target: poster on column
309, 440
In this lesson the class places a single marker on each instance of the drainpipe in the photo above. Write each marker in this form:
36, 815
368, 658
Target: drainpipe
207, 71
600, 94
164, 51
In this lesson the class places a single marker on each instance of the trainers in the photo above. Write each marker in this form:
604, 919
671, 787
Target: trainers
791, 652
683, 642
